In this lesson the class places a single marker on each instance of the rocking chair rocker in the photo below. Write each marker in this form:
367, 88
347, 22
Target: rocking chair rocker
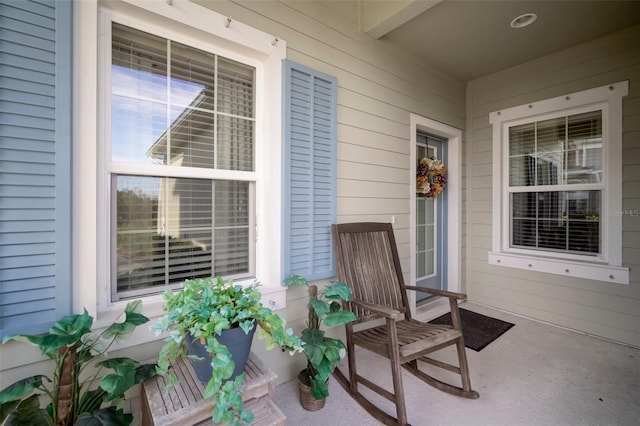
368, 262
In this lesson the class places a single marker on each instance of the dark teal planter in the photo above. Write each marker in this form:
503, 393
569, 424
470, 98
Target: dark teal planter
236, 341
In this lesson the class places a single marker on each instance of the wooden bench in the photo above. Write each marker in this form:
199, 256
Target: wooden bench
184, 404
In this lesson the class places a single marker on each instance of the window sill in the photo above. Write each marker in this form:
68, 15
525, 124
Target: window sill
592, 271
273, 297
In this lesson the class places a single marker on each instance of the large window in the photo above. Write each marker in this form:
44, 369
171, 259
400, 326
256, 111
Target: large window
557, 202
181, 164
555, 184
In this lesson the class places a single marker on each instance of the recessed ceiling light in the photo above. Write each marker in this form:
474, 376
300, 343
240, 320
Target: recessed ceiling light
524, 20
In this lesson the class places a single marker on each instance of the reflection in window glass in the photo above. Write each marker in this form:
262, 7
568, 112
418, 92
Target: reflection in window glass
176, 106
568, 221
561, 153
166, 228
200, 116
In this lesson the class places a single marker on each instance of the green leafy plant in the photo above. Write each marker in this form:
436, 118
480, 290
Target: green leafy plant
72, 399
201, 311
323, 353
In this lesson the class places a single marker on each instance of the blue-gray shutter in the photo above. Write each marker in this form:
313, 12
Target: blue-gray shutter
35, 164
310, 177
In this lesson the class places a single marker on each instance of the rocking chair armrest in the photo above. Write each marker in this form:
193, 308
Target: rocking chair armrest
378, 309
435, 292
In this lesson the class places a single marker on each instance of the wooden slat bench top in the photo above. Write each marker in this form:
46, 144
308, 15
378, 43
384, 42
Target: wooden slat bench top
184, 405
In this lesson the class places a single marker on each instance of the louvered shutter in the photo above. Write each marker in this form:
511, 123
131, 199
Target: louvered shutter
310, 178
35, 163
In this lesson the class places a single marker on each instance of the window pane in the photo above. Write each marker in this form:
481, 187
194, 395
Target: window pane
135, 130
235, 143
235, 88
522, 148
550, 146
174, 122
560, 151
584, 220
556, 220
552, 229
232, 227
192, 138
166, 229
192, 77
138, 94
584, 152
138, 64
523, 205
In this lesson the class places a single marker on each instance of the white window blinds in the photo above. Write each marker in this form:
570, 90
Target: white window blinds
172, 107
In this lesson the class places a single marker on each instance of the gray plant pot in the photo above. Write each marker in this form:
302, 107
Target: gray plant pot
236, 341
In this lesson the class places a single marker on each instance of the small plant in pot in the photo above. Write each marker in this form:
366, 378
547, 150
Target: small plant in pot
207, 311
323, 353
86, 387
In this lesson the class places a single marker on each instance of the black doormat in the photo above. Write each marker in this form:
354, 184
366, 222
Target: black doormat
478, 330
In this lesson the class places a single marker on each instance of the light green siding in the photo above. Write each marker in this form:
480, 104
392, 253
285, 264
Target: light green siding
603, 309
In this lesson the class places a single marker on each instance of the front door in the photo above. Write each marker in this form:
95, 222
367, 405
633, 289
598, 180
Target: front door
431, 223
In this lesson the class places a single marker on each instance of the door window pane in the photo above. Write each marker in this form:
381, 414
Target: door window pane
425, 226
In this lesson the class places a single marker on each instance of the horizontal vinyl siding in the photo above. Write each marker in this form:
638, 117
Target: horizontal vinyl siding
608, 310
378, 88
34, 164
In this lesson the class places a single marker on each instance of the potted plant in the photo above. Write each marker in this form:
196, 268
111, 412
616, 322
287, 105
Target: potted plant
206, 311
76, 396
323, 353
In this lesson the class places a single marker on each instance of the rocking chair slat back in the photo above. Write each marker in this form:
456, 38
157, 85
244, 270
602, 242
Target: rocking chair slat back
377, 277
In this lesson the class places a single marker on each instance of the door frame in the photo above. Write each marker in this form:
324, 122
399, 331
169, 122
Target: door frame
454, 188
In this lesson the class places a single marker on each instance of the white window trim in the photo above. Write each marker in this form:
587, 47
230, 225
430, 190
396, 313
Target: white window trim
608, 267
187, 22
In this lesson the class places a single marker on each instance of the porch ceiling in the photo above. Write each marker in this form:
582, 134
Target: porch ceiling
470, 39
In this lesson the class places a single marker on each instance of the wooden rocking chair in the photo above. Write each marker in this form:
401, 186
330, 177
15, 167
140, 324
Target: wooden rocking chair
368, 262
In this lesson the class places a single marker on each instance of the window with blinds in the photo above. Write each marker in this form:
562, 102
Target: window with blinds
555, 184
182, 141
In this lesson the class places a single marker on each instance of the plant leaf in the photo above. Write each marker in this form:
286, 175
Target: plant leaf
110, 416
313, 345
337, 291
319, 388
295, 280
73, 325
117, 383
320, 307
21, 388
6, 409
67, 331
144, 372
338, 318
92, 400
122, 330
29, 413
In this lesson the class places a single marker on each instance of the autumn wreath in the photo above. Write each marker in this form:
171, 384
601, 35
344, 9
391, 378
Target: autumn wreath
431, 177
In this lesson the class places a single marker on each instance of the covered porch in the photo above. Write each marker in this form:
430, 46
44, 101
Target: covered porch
534, 374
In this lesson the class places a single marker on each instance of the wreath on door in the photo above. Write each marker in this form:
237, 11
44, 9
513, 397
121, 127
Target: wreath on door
431, 177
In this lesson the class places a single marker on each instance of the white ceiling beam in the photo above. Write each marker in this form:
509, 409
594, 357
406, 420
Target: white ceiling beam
379, 17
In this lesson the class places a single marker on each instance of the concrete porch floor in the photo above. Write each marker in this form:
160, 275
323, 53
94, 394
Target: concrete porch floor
534, 374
